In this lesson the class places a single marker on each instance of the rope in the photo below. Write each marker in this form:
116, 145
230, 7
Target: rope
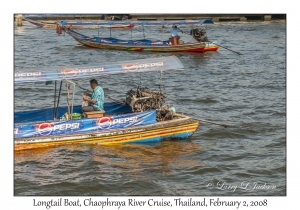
82, 87
115, 100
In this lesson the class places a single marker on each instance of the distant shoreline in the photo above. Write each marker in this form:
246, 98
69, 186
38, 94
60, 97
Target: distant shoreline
214, 17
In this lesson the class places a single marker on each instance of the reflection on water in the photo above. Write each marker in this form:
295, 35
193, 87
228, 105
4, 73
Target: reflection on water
133, 158
136, 162
136, 157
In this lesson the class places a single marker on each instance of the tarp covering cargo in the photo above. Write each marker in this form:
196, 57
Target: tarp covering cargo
130, 42
47, 113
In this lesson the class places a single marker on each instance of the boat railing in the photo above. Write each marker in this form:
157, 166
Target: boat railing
70, 109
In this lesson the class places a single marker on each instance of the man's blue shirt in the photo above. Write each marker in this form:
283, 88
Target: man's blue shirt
175, 31
98, 96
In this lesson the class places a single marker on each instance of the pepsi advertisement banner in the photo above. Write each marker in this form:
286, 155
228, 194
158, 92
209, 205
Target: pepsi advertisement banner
142, 65
84, 125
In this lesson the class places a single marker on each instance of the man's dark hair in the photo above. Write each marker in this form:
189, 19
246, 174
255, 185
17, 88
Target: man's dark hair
93, 81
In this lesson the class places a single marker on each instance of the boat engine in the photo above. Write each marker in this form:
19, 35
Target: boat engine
199, 34
144, 99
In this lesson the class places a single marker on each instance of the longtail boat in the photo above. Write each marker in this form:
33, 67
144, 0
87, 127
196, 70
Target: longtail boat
54, 24
40, 23
142, 117
201, 43
134, 45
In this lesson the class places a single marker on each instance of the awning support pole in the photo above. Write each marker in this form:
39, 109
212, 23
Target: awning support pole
143, 32
67, 88
160, 81
54, 108
58, 99
70, 110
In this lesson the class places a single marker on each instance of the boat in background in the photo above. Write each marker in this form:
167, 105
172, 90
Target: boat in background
40, 23
134, 45
141, 118
201, 43
68, 23
54, 24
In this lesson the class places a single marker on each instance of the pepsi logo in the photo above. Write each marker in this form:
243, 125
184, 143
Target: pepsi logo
104, 122
91, 70
134, 67
131, 67
44, 129
154, 42
105, 41
192, 21
69, 72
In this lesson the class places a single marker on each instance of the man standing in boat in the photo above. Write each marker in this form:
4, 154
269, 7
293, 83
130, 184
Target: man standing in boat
97, 98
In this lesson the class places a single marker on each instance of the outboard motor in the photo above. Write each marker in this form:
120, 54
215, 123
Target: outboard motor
199, 35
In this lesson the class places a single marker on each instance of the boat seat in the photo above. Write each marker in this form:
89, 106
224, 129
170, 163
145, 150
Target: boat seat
93, 114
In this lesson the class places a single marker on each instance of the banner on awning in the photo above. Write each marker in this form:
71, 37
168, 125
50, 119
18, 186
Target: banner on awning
133, 66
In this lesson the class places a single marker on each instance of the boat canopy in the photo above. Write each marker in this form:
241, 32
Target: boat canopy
157, 22
132, 66
54, 15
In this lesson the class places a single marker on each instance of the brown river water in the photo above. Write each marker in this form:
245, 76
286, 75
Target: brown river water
247, 91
